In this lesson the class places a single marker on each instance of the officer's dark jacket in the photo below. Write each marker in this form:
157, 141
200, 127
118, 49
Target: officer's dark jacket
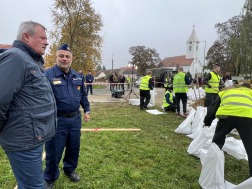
27, 108
89, 77
69, 90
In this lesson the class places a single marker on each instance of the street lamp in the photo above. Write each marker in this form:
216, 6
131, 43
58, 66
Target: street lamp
204, 56
112, 62
131, 90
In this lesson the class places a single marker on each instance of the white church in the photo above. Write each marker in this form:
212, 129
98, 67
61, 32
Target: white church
190, 62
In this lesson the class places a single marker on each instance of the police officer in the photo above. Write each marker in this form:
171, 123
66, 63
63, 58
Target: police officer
69, 90
169, 101
145, 87
180, 82
212, 82
233, 108
89, 79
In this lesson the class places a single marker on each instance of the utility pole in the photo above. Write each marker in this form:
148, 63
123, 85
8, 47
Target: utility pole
204, 56
112, 62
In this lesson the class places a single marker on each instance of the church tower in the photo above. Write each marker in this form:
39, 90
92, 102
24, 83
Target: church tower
192, 51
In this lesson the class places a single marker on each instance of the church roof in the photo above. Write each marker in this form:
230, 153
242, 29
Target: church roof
2, 46
176, 61
193, 37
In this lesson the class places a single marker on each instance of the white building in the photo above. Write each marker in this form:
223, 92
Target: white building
190, 62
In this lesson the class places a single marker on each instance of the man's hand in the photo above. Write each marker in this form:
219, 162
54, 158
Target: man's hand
86, 117
209, 86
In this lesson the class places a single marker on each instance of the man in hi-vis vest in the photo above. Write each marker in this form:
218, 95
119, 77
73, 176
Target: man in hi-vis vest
233, 108
169, 101
167, 82
212, 82
145, 87
180, 82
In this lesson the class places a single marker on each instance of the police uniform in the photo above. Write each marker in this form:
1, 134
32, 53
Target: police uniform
145, 87
89, 79
233, 108
212, 82
70, 93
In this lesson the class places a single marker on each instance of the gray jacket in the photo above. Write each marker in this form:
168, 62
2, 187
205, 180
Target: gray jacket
27, 105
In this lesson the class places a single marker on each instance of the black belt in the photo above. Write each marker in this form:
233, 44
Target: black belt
69, 115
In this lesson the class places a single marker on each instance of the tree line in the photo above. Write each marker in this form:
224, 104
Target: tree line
233, 48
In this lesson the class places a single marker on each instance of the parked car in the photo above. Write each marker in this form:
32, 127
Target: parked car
138, 82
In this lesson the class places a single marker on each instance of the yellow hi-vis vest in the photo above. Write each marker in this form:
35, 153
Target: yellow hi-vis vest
179, 85
145, 83
165, 104
128, 79
166, 83
236, 102
214, 82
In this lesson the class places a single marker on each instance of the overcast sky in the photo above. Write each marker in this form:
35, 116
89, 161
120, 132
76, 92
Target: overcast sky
161, 24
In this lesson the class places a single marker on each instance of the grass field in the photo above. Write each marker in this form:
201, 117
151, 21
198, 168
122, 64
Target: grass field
99, 86
154, 158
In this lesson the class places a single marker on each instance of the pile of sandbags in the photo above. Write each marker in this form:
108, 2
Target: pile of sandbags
211, 157
200, 93
228, 83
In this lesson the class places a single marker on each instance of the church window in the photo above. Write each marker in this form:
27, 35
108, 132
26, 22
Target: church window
196, 58
190, 48
196, 48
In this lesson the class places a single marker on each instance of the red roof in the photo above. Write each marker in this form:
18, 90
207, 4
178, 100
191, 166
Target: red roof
5, 46
176, 61
126, 68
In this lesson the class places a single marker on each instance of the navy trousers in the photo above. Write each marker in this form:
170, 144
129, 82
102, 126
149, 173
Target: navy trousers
89, 86
67, 136
27, 167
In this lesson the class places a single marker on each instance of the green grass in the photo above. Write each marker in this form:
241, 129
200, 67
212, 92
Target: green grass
155, 158
99, 86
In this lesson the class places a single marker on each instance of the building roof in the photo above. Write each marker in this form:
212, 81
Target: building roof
2, 46
126, 68
129, 71
176, 61
193, 37
98, 73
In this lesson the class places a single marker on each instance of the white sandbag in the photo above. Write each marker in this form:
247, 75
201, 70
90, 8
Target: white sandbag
212, 173
204, 136
197, 118
199, 121
152, 100
212, 129
185, 126
247, 184
229, 185
234, 132
235, 148
135, 102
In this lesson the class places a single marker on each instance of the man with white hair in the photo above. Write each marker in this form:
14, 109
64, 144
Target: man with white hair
27, 105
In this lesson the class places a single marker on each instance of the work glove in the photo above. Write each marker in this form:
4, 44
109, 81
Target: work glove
209, 86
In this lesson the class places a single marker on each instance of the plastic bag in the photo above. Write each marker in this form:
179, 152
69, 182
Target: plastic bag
185, 126
212, 173
152, 100
235, 148
204, 136
198, 120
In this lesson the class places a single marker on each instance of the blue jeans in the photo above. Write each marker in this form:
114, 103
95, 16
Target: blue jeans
27, 167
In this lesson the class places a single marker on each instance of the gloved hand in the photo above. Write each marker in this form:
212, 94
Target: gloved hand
209, 86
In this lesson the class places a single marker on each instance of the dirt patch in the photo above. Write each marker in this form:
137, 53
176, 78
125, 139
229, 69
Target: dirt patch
199, 102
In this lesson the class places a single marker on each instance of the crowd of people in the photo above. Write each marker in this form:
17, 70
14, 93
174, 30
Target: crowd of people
114, 79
